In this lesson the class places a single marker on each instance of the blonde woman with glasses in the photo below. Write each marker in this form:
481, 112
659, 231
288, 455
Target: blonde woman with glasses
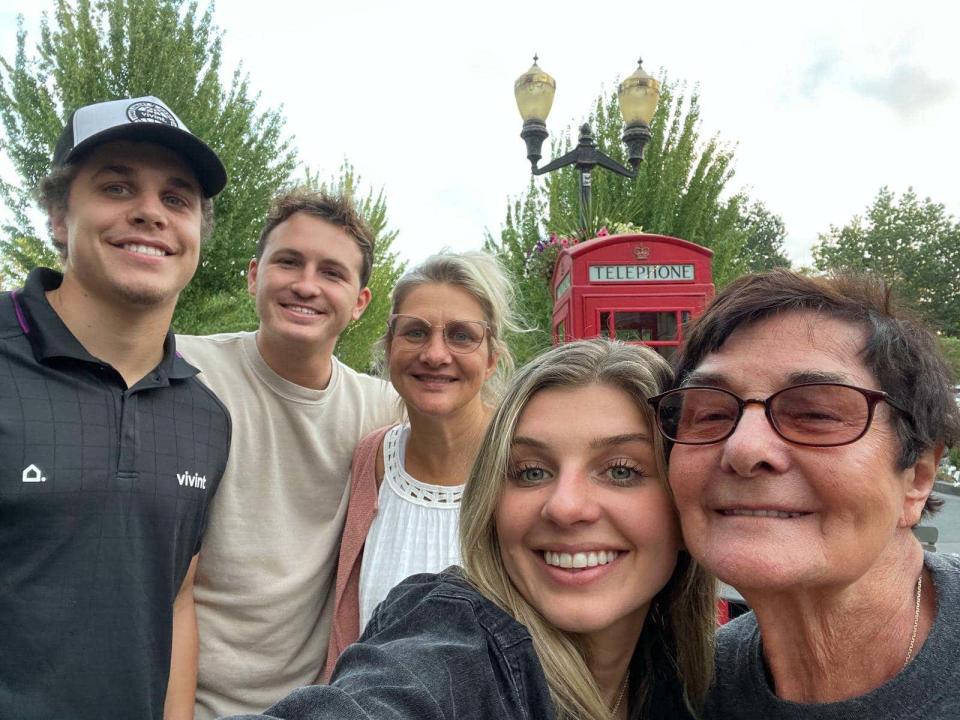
576, 599
445, 355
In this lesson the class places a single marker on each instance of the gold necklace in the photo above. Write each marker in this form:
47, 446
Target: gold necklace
916, 621
623, 689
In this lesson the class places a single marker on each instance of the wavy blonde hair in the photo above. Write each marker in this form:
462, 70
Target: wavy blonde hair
676, 643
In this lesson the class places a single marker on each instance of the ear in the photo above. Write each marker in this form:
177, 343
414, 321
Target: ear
918, 481
492, 359
252, 277
363, 299
58, 225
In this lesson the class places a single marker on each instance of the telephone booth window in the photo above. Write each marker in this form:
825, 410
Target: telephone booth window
604, 325
659, 330
559, 333
645, 326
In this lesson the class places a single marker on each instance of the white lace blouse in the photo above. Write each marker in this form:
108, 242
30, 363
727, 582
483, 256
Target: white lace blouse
414, 531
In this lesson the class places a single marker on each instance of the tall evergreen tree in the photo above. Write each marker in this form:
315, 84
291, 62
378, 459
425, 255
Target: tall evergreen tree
913, 243
107, 49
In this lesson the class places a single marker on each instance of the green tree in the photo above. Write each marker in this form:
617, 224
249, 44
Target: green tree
913, 243
951, 350
679, 190
99, 50
533, 302
764, 233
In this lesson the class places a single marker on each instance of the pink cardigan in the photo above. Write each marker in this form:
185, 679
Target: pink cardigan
362, 507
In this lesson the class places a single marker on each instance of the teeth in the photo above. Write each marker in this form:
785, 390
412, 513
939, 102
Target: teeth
302, 310
579, 560
764, 513
144, 249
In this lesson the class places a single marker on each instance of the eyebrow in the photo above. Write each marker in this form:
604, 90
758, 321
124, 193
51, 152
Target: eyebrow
800, 377
596, 444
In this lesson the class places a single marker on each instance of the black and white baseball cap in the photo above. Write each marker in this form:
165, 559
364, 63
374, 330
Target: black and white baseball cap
145, 118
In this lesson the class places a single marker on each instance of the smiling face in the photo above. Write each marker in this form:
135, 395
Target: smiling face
131, 225
432, 379
768, 515
587, 531
307, 284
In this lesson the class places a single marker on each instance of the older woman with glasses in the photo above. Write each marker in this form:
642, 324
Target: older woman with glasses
807, 424
445, 355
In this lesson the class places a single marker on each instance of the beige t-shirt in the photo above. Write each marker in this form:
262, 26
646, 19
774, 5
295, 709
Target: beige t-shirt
265, 582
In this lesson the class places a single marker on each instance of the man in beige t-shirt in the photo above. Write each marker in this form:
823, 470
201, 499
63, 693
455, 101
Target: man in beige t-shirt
265, 580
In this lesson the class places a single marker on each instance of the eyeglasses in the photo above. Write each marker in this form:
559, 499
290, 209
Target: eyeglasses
460, 336
814, 414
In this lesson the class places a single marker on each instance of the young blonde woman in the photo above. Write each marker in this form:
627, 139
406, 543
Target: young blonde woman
576, 598
445, 355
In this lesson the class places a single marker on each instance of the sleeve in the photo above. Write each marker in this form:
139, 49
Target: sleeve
430, 661
371, 683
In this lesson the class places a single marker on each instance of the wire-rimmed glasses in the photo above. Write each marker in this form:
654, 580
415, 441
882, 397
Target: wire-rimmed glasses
460, 336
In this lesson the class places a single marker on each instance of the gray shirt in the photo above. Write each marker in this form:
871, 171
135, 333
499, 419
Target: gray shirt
928, 688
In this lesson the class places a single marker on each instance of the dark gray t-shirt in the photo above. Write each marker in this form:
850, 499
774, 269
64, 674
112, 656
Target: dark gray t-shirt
929, 687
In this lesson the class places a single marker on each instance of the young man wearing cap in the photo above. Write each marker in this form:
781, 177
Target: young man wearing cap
110, 449
264, 587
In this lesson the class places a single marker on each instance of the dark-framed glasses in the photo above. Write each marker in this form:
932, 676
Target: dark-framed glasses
460, 336
814, 414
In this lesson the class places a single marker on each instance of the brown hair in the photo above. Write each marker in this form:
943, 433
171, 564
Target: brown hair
53, 195
337, 210
901, 351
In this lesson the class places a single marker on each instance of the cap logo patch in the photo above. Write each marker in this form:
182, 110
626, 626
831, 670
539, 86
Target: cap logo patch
146, 111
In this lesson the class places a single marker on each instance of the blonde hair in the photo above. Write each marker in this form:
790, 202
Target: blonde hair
482, 276
677, 638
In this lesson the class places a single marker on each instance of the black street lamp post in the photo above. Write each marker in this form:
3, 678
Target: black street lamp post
638, 95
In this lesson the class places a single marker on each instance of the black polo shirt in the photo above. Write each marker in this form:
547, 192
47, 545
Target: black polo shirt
104, 493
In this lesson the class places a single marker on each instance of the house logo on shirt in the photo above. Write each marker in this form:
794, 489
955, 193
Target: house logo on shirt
195, 481
32, 474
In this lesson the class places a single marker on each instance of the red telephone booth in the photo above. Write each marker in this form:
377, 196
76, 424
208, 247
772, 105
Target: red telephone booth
636, 288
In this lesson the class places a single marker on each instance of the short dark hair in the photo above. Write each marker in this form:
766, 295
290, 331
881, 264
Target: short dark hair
900, 350
337, 210
53, 195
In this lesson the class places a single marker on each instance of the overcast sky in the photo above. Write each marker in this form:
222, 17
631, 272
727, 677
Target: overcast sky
824, 101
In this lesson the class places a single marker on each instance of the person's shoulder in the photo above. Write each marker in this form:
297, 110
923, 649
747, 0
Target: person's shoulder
446, 603
735, 633
202, 397
10, 325
946, 571
416, 589
372, 440
189, 344
942, 561
359, 378
372, 389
